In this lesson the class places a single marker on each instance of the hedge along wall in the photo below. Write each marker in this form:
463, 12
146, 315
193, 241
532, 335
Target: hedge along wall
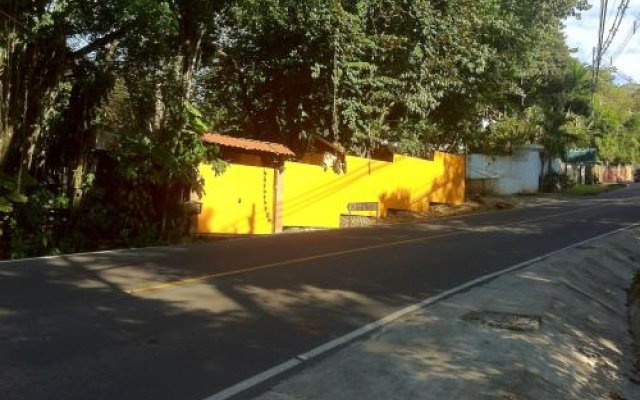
316, 198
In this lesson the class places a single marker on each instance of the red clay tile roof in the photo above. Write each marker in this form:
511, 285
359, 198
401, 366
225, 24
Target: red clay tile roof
247, 144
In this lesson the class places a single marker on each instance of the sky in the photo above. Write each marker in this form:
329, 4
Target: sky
582, 34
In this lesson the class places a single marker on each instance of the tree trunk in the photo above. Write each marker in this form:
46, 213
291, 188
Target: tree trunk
43, 82
77, 182
185, 65
11, 86
31, 77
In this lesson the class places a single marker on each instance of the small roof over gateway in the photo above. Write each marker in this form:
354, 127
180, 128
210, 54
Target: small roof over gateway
585, 156
247, 144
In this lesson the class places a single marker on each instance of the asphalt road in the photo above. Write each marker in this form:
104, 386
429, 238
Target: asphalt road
186, 322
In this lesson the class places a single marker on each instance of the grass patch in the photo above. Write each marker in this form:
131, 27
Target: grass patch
592, 190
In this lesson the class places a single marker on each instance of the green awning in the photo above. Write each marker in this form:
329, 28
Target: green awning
583, 156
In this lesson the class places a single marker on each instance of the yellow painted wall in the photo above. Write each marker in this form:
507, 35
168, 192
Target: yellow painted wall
234, 202
314, 197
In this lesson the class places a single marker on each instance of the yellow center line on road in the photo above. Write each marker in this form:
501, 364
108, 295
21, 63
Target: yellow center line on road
200, 278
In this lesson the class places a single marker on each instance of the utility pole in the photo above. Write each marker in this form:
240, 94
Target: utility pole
600, 48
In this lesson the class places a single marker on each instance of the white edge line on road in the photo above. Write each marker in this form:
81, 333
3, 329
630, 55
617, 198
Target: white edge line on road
256, 380
367, 329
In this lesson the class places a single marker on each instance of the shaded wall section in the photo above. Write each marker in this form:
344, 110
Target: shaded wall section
314, 197
239, 201
518, 172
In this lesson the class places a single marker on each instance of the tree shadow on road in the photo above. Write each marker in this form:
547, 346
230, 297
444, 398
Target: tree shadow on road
70, 327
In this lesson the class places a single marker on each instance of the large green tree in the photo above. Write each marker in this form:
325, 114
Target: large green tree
418, 74
616, 121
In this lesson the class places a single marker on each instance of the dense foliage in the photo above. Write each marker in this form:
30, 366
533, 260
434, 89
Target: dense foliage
102, 103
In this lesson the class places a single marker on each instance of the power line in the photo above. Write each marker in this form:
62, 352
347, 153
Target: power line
623, 44
617, 21
613, 7
597, 53
622, 75
626, 39
605, 44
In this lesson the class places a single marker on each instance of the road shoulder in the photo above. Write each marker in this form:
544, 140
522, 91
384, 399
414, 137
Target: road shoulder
555, 329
